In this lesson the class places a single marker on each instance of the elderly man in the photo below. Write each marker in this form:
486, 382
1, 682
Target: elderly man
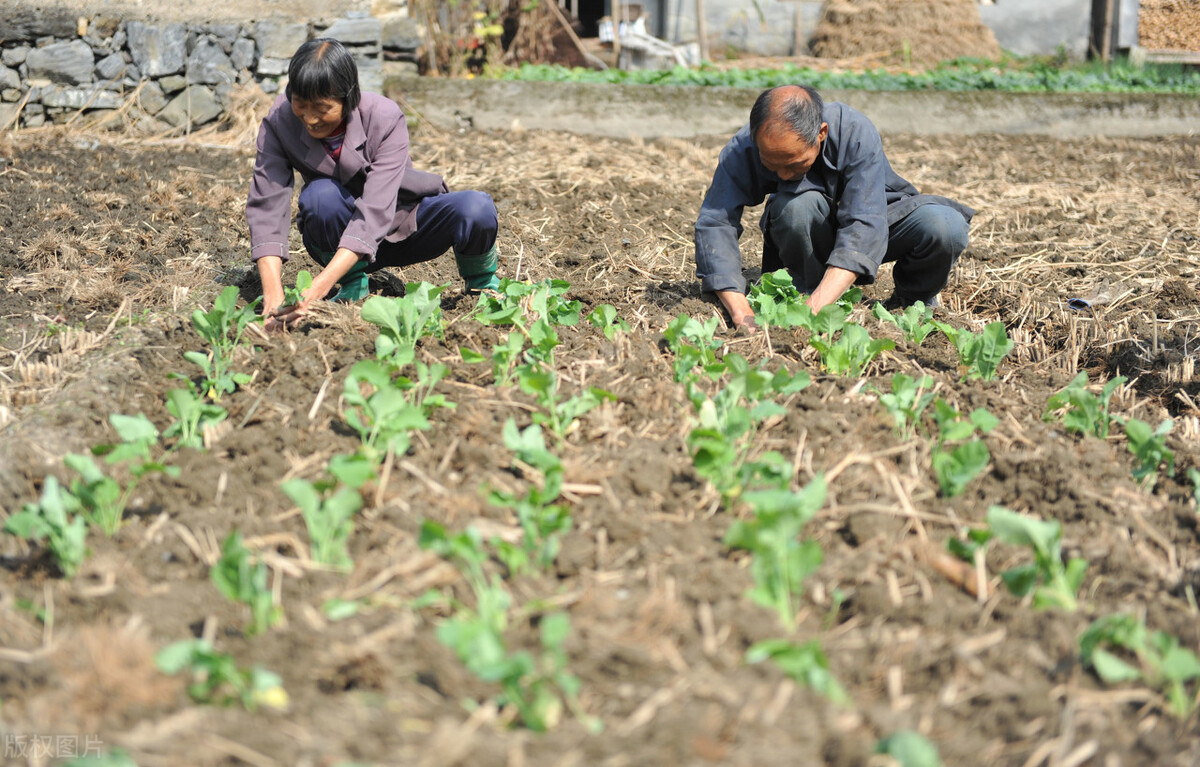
837, 210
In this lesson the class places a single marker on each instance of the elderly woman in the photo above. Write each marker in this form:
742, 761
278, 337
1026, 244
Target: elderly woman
363, 205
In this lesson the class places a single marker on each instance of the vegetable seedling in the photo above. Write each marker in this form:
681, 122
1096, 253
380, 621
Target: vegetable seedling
853, 350
1052, 583
222, 327
956, 465
241, 577
329, 518
379, 410
909, 749
404, 321
979, 354
781, 561
558, 415
908, 399
776, 301
216, 678
1157, 659
543, 522
1149, 447
804, 662
914, 321
605, 317
55, 519
1080, 410
193, 417
694, 345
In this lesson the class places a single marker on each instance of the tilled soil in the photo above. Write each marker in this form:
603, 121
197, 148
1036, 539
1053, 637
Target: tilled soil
110, 246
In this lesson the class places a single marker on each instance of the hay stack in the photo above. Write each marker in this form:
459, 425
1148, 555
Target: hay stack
1169, 25
932, 31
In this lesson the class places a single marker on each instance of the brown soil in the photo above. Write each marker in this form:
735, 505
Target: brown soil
111, 245
920, 31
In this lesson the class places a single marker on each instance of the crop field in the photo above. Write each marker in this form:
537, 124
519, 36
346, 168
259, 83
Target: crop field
581, 522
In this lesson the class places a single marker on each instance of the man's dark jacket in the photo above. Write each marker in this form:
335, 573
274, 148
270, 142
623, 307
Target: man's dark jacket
851, 171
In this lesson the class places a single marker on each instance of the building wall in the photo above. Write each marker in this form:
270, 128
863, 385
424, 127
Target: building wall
769, 27
1033, 27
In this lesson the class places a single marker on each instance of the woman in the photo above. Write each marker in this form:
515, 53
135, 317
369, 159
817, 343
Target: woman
363, 205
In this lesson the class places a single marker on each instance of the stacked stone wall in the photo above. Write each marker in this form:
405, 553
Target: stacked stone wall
164, 76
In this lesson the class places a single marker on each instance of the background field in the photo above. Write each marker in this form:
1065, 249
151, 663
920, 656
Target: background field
111, 245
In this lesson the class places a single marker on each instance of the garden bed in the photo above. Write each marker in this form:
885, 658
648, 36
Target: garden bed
111, 246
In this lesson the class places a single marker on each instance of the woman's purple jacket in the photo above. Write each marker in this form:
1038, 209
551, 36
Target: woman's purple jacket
374, 166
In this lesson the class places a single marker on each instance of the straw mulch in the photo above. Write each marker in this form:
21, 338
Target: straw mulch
1170, 25
919, 31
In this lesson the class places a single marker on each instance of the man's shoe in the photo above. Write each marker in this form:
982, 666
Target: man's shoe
900, 300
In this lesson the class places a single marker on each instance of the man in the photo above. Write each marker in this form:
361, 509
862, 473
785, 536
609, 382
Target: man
836, 212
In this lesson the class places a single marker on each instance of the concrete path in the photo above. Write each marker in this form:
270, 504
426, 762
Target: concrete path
653, 111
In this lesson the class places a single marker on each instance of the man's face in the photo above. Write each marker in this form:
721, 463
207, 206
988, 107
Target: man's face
320, 116
787, 155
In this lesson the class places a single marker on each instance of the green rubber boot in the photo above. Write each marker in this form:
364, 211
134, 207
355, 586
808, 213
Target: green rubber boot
353, 285
479, 272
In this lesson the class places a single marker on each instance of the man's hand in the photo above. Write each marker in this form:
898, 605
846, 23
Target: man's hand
835, 282
740, 312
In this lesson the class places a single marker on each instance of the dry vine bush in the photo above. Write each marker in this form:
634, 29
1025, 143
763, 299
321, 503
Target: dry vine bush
659, 619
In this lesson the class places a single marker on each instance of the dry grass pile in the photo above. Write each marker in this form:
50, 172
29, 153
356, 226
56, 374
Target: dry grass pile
922, 32
1169, 25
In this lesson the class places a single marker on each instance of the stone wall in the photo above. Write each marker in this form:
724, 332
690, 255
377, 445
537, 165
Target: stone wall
167, 75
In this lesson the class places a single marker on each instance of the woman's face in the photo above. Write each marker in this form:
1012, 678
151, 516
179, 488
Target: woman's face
320, 116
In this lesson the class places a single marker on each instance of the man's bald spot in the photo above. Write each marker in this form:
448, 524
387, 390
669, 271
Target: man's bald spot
778, 100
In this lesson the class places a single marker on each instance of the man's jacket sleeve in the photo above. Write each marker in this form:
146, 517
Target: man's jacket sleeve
862, 229
735, 185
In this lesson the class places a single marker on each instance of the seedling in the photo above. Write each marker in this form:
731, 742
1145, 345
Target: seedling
243, 578
543, 522
379, 411
979, 355
193, 417
1194, 476
1052, 583
543, 339
295, 295
535, 688
909, 749
1157, 659
852, 352
421, 391
104, 498
222, 328
776, 301
558, 415
504, 357
781, 560
1080, 410
914, 321
1150, 449
56, 519
956, 465
543, 299
724, 437
605, 317
908, 399
216, 678
101, 497
693, 344
329, 518
804, 662
404, 321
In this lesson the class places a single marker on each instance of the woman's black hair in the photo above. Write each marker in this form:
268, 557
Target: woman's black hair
324, 69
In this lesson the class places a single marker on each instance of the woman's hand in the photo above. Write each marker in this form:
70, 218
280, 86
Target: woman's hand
280, 318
